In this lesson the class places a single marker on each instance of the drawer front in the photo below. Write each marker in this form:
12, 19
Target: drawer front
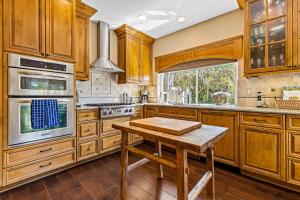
110, 143
293, 144
178, 113
106, 125
86, 115
88, 129
136, 138
267, 120
20, 156
293, 171
293, 122
87, 149
139, 111
15, 174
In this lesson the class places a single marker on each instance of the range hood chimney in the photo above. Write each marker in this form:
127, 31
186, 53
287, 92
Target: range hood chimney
103, 62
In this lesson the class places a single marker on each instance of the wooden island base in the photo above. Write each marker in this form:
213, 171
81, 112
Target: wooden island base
201, 139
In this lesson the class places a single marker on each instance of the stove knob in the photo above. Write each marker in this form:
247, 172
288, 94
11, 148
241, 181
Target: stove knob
105, 112
130, 110
126, 111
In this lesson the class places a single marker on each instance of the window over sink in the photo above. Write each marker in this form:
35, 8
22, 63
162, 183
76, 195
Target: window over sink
202, 82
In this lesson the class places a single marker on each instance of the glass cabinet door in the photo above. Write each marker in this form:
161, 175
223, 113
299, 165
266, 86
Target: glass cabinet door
268, 30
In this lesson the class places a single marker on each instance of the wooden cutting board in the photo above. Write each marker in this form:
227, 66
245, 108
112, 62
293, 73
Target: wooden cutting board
166, 125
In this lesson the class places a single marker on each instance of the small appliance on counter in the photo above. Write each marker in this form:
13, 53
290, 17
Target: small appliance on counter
144, 96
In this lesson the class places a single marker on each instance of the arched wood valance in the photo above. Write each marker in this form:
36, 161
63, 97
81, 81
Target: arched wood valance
223, 51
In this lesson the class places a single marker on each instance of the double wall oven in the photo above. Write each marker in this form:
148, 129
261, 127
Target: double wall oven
31, 78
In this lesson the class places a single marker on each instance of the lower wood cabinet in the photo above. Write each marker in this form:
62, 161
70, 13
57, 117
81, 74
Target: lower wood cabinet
293, 143
227, 149
87, 149
178, 113
35, 152
262, 151
110, 143
150, 112
293, 171
28, 170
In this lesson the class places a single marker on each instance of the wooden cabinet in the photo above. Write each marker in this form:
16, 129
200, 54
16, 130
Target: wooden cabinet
110, 143
227, 149
86, 115
262, 151
32, 153
150, 111
134, 55
293, 171
83, 14
42, 28
18, 173
269, 35
87, 130
87, 149
106, 125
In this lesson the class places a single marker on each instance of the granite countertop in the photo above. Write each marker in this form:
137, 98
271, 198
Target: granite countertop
231, 108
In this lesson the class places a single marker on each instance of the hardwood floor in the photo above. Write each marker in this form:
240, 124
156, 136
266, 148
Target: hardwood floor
99, 180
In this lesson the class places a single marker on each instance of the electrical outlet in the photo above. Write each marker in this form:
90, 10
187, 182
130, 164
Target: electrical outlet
273, 90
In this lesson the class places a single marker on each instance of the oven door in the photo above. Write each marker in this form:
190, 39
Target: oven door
20, 130
24, 82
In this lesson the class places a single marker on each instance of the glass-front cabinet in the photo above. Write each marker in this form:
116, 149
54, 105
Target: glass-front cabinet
268, 36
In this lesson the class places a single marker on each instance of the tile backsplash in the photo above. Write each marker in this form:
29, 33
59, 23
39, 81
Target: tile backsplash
103, 88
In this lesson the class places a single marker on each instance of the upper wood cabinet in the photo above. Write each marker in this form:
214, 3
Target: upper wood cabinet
83, 14
227, 149
269, 36
42, 28
134, 55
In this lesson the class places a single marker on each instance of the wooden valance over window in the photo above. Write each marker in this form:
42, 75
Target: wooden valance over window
224, 51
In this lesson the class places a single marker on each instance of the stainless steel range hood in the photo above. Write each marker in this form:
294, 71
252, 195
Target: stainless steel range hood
103, 62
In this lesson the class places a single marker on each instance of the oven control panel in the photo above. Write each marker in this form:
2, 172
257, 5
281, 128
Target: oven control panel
107, 112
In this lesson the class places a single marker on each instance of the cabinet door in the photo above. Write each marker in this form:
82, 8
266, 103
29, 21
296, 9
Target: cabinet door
24, 26
226, 148
262, 151
268, 36
60, 29
82, 48
296, 36
132, 59
146, 64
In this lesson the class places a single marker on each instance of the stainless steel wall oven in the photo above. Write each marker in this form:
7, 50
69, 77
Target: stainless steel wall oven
29, 79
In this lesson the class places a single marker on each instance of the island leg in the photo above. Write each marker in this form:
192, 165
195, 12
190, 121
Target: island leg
182, 174
124, 165
159, 152
210, 166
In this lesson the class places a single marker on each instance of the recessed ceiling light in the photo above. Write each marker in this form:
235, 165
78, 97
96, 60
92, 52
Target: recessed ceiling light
142, 17
181, 19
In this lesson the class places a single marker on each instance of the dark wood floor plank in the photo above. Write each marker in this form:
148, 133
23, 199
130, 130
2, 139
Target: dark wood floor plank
99, 180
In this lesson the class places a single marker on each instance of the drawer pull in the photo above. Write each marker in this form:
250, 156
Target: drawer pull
88, 130
46, 165
86, 115
259, 120
45, 150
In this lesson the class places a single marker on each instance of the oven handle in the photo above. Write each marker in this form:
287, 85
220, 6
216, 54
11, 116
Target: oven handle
40, 74
29, 101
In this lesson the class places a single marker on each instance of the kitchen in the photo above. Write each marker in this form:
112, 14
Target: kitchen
91, 64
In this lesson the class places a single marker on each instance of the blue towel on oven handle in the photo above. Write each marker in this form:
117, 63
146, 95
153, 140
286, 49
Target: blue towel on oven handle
44, 113
38, 114
51, 113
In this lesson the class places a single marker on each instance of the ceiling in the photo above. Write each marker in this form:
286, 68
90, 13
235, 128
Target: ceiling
161, 15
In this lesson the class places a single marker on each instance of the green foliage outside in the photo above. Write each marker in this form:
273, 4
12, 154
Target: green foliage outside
210, 80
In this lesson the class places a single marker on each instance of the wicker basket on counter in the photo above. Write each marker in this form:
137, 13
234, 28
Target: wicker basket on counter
288, 104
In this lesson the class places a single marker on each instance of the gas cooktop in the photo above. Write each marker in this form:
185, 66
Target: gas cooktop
109, 110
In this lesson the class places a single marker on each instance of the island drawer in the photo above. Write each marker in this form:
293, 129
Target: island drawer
86, 115
258, 119
87, 129
18, 173
27, 154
